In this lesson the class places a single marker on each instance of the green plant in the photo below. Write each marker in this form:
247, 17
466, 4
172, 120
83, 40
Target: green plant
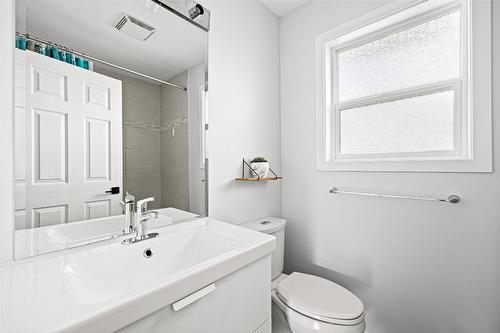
259, 159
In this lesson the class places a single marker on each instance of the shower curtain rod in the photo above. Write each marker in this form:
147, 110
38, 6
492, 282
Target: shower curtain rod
102, 61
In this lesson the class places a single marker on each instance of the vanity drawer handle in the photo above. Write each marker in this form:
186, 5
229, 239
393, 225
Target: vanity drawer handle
193, 297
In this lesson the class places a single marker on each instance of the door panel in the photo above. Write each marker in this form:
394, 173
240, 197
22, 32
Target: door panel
49, 134
97, 152
45, 216
97, 96
51, 83
97, 209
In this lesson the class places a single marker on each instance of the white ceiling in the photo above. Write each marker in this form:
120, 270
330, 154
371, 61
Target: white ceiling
283, 7
88, 26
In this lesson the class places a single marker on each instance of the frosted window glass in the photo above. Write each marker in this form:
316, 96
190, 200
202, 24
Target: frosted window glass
426, 53
416, 124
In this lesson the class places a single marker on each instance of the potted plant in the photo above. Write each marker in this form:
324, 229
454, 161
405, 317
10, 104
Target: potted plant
260, 166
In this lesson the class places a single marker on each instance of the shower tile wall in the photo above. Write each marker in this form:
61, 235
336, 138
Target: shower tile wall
141, 147
175, 153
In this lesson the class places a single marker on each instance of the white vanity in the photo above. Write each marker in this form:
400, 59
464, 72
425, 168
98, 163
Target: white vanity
201, 275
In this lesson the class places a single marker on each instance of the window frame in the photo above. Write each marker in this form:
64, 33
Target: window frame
472, 151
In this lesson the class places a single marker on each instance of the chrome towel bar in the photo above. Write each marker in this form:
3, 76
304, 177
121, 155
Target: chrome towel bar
451, 198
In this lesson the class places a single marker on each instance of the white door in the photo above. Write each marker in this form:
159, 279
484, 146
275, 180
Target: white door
73, 142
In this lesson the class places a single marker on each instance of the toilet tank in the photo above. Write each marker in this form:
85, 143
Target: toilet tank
276, 227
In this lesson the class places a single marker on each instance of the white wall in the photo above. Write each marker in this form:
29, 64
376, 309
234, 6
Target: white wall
418, 266
196, 78
243, 108
7, 130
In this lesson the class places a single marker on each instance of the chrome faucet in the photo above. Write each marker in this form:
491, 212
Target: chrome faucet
142, 216
128, 208
136, 217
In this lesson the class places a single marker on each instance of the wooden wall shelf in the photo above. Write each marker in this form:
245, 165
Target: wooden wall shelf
258, 179
252, 172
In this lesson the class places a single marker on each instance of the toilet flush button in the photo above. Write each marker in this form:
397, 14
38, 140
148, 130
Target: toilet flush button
268, 225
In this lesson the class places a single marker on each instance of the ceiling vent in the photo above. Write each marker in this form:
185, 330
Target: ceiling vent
134, 28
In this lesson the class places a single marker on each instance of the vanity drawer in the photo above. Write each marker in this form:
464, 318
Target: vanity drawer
237, 303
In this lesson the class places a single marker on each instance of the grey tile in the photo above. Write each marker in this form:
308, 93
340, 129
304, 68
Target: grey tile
141, 138
143, 180
133, 110
138, 159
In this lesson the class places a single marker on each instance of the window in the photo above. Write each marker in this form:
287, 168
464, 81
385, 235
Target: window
397, 90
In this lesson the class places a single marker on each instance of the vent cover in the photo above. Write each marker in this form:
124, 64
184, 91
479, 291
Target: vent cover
134, 28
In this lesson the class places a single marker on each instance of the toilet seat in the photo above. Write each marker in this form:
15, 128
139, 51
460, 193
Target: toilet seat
320, 299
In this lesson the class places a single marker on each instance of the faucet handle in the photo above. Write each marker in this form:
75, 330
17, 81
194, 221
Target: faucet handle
142, 205
152, 214
128, 198
128, 203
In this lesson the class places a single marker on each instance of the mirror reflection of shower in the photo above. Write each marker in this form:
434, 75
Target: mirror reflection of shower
163, 150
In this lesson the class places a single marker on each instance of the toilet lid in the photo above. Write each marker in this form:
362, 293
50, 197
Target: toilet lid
319, 298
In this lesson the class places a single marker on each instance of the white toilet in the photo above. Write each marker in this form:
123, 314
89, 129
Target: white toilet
304, 303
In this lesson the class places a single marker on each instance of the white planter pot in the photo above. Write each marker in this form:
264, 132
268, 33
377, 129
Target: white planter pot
261, 168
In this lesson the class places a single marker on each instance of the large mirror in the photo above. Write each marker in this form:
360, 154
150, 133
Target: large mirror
110, 99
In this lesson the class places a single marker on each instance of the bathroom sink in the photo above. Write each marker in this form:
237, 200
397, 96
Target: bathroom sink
32, 242
92, 281
82, 290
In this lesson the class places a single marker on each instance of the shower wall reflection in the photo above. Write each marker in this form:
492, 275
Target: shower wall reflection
156, 139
